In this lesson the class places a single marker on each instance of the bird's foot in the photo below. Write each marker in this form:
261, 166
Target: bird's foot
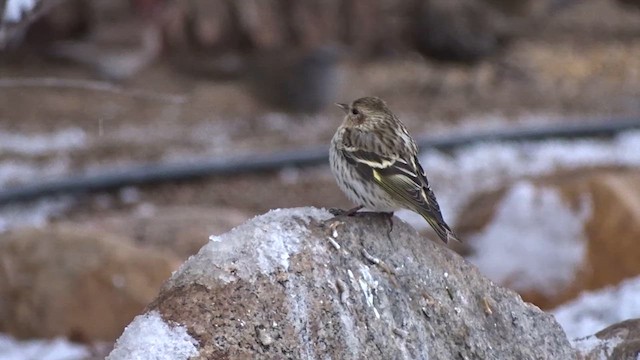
339, 212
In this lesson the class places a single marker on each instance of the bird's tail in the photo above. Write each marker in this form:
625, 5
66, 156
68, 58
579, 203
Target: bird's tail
441, 228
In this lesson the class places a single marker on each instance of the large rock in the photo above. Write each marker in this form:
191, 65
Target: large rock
75, 282
587, 235
296, 283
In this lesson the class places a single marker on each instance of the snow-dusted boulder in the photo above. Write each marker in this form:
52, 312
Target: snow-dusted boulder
297, 284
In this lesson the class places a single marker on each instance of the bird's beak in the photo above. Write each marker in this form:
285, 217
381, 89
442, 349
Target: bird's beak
344, 107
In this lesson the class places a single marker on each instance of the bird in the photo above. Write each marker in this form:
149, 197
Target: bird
374, 161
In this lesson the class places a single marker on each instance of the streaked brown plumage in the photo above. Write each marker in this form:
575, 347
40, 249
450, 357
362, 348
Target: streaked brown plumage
374, 161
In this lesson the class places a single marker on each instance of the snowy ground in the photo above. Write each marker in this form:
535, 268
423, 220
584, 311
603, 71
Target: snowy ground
524, 210
16, 168
21, 164
59, 349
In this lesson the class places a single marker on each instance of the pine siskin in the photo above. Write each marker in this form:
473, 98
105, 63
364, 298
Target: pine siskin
374, 161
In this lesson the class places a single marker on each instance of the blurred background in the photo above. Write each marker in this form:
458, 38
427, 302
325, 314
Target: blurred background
131, 130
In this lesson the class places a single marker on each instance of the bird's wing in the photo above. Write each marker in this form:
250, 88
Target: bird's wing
403, 179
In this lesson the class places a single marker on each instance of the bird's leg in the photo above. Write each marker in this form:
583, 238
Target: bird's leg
350, 212
353, 211
389, 216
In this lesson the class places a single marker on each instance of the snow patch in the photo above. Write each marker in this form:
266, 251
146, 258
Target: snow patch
535, 240
42, 144
257, 246
14, 9
368, 287
589, 344
150, 337
299, 316
129, 195
34, 214
289, 175
593, 311
57, 349
13, 171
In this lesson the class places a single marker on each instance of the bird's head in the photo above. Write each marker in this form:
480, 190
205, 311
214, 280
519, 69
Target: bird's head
366, 113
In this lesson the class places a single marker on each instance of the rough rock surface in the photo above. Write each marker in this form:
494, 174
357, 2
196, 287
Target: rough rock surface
75, 282
296, 283
619, 341
610, 232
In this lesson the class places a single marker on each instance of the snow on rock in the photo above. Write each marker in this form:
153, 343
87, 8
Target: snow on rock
535, 241
593, 311
150, 337
620, 341
57, 349
280, 232
591, 344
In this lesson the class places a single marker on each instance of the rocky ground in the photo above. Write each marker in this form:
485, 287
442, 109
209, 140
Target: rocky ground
582, 62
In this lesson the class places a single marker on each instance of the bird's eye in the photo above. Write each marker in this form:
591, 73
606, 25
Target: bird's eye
354, 111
